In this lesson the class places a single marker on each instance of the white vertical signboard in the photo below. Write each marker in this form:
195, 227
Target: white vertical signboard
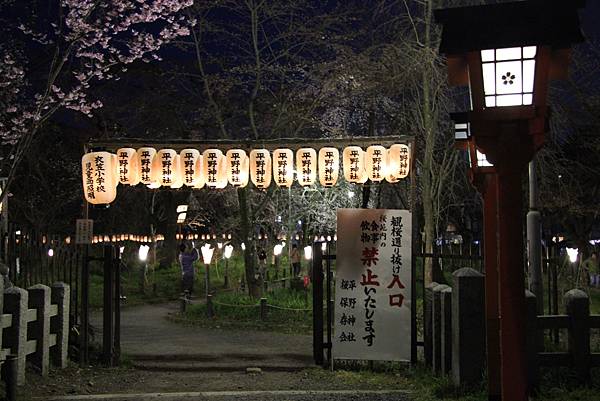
373, 285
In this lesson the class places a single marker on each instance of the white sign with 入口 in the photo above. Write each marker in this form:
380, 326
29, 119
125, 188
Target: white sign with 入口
373, 285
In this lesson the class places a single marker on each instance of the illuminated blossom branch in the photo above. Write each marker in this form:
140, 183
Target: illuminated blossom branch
93, 41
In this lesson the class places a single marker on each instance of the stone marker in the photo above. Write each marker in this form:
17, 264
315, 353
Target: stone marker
59, 324
446, 335
16, 301
39, 299
436, 328
428, 333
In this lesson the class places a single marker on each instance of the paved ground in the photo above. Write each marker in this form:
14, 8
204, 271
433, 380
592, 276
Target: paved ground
155, 343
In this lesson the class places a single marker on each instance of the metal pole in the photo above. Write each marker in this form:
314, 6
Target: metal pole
117, 343
317, 282
226, 277
108, 307
534, 242
207, 279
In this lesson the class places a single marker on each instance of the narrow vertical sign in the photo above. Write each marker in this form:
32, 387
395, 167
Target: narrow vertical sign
84, 231
373, 285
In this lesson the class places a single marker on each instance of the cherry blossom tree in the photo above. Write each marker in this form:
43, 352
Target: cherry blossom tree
55, 52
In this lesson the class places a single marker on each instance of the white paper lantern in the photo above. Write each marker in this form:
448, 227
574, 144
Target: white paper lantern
354, 164
260, 168
306, 166
189, 166
398, 162
376, 163
178, 174
329, 164
283, 167
129, 169
213, 168
201, 177
167, 166
100, 178
237, 165
146, 159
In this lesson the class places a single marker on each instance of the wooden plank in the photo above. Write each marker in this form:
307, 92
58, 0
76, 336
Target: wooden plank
554, 358
553, 322
53, 310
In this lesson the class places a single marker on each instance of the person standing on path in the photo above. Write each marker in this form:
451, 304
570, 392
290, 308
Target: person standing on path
295, 259
590, 265
187, 256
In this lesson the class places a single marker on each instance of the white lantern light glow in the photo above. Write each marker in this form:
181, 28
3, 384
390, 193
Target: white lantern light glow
260, 168
207, 253
228, 251
354, 164
100, 179
398, 163
213, 168
308, 252
129, 169
376, 163
283, 167
306, 166
190, 168
145, 161
329, 164
167, 167
237, 165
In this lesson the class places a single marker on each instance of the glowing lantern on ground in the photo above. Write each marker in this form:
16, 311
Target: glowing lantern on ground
237, 165
213, 168
283, 167
398, 163
129, 169
146, 157
354, 164
260, 168
329, 163
376, 163
99, 171
189, 166
306, 166
166, 165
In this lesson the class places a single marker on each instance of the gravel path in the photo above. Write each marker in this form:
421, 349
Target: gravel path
149, 337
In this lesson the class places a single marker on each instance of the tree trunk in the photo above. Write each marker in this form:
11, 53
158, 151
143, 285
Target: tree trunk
254, 285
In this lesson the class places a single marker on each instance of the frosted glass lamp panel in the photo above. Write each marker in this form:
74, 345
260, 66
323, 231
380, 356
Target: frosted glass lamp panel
508, 53
509, 100
482, 160
306, 166
189, 168
237, 167
283, 167
509, 78
489, 79
528, 75
529, 51
487, 55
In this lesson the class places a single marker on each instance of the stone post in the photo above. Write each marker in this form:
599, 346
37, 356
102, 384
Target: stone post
16, 301
531, 342
578, 308
59, 324
446, 357
436, 328
468, 327
39, 299
427, 332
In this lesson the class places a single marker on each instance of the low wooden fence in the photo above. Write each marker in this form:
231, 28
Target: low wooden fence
454, 335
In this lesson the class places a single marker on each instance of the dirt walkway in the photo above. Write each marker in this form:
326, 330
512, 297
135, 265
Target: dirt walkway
155, 343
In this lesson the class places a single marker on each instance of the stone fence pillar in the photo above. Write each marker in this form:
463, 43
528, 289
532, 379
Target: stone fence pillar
468, 327
446, 334
428, 329
16, 303
59, 324
577, 304
39, 299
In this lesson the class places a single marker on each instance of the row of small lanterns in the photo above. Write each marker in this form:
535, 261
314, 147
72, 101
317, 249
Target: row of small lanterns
113, 238
103, 171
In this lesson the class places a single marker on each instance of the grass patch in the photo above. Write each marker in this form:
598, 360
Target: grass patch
288, 311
